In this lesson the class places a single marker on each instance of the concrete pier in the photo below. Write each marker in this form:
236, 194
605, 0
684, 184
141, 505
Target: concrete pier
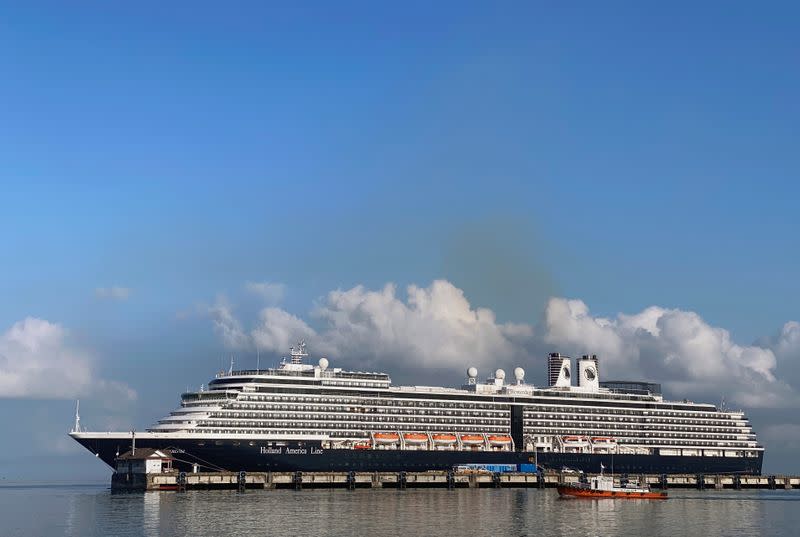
242, 481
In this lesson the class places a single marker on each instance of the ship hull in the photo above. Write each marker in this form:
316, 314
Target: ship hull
580, 492
235, 455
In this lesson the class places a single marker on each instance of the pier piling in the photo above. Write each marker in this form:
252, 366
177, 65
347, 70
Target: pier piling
700, 481
241, 481
297, 480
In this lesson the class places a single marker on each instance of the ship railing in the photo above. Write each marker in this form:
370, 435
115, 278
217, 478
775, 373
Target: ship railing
311, 373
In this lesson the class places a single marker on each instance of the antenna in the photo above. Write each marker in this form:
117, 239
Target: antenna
258, 360
230, 370
77, 427
298, 353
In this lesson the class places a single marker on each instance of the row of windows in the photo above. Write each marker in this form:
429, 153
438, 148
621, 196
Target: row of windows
369, 399
433, 407
376, 424
624, 438
539, 397
630, 412
268, 428
255, 411
612, 431
626, 416
634, 426
371, 402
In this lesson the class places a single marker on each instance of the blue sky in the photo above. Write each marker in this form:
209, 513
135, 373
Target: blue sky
623, 154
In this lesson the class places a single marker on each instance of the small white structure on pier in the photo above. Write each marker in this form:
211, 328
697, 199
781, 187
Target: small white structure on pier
144, 461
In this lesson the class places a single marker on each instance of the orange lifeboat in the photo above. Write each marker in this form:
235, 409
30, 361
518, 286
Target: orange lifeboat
472, 439
362, 445
386, 438
415, 438
500, 440
603, 440
575, 439
444, 438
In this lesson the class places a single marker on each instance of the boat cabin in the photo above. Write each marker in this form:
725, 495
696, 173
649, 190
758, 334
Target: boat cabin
144, 461
601, 482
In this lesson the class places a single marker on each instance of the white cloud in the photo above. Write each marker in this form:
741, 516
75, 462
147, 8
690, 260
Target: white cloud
278, 330
271, 293
227, 326
788, 341
678, 348
113, 293
786, 346
37, 361
436, 327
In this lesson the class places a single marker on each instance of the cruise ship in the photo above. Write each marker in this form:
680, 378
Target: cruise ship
303, 417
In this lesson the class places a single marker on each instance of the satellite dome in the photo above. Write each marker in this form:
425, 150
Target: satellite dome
472, 372
519, 373
323, 363
500, 374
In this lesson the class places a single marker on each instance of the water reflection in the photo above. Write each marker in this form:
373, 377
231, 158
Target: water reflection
152, 514
87, 512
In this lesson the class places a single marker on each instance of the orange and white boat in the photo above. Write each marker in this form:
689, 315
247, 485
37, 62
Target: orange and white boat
386, 438
500, 440
362, 445
472, 439
603, 440
415, 438
444, 439
602, 486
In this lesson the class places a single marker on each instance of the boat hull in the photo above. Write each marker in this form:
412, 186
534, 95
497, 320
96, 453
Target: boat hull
310, 456
579, 492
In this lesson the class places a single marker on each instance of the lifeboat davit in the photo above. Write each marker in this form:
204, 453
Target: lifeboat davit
415, 438
386, 438
472, 439
500, 440
444, 438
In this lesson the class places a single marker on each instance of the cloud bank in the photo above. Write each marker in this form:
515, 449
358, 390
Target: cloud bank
38, 361
226, 325
678, 348
436, 327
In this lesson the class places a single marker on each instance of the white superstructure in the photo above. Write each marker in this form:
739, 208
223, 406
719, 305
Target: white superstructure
363, 410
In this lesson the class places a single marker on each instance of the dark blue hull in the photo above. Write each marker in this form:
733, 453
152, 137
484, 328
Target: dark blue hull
311, 457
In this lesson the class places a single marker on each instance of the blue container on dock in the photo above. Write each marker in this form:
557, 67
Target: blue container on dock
501, 468
494, 468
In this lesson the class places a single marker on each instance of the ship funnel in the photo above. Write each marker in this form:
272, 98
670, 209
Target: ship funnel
588, 376
559, 370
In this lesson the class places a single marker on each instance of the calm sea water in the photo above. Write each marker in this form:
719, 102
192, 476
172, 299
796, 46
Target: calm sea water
43, 511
